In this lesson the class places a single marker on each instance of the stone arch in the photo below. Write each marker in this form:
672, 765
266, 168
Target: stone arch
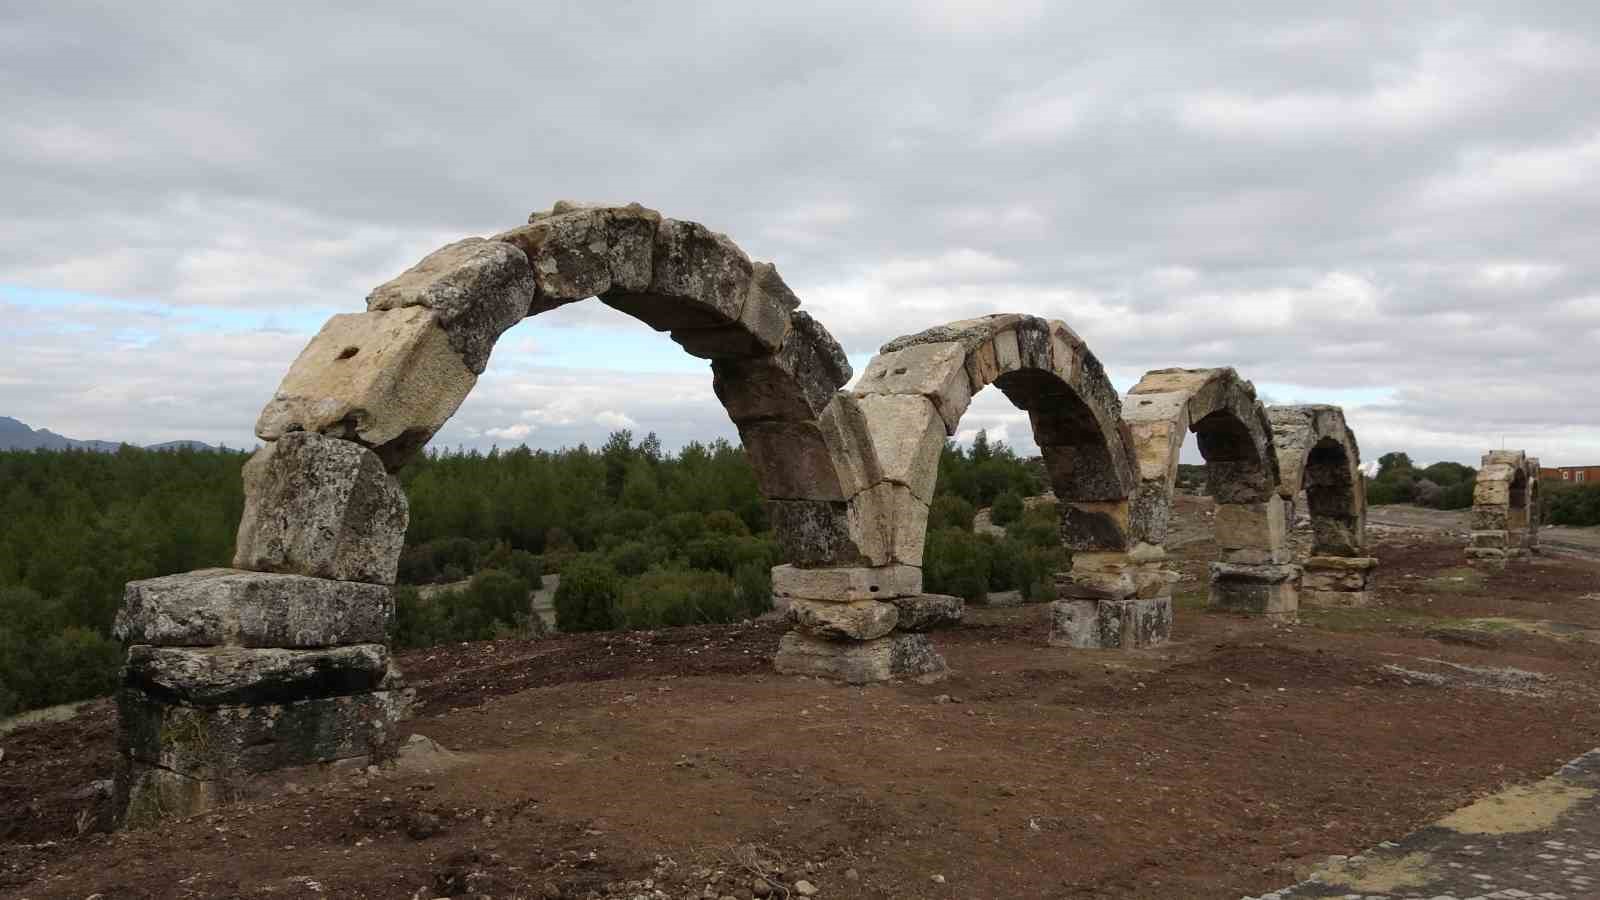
282, 660
1505, 507
1318, 453
1236, 440
868, 551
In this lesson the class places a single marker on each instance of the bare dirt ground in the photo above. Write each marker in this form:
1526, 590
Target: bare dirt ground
1230, 762
1557, 539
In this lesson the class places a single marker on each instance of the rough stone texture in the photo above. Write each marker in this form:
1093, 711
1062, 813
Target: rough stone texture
861, 620
1272, 591
935, 371
1505, 507
221, 742
478, 288
1110, 624
830, 458
762, 326
581, 250
926, 612
144, 795
846, 584
387, 380
908, 434
1254, 526
860, 662
228, 607
817, 533
321, 507
235, 676
700, 280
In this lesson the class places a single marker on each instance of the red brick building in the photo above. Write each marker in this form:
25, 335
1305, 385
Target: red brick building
1572, 474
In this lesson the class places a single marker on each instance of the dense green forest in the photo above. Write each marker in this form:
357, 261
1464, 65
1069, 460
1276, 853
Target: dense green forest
643, 539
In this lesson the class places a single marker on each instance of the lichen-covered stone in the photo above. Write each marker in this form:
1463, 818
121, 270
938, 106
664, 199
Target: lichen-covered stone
220, 742
793, 385
144, 795
700, 280
387, 380
926, 612
815, 533
762, 326
935, 371
860, 662
321, 507
478, 288
236, 676
1110, 624
229, 607
1271, 591
830, 458
860, 620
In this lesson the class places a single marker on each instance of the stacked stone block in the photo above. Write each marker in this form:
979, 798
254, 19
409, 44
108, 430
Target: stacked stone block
1505, 508
1317, 453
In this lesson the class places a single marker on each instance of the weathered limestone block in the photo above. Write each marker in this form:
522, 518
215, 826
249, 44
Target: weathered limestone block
926, 612
387, 380
908, 434
700, 280
817, 533
1095, 526
144, 794
1111, 624
1253, 526
1271, 590
1490, 539
762, 326
579, 250
860, 662
236, 676
219, 742
1334, 536
321, 507
860, 620
227, 607
794, 385
935, 371
1337, 581
831, 458
847, 584
478, 288
969, 333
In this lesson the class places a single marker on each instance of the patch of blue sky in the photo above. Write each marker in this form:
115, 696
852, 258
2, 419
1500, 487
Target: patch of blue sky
179, 318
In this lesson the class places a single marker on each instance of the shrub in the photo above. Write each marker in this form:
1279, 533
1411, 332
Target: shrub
951, 511
726, 521
663, 597
1039, 526
956, 562
753, 581
587, 599
632, 558
1007, 508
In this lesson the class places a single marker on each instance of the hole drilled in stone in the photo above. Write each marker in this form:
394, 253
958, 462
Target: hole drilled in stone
349, 352
900, 371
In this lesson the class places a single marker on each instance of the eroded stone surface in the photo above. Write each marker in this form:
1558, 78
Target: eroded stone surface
860, 620
848, 583
478, 288
144, 795
235, 676
926, 612
387, 380
321, 507
229, 607
860, 662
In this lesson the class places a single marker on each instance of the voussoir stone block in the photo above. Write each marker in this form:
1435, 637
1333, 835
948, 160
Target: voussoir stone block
859, 620
235, 676
229, 607
908, 435
935, 371
226, 741
700, 280
761, 328
478, 288
386, 379
887, 658
847, 583
825, 533
926, 612
830, 458
580, 250
321, 507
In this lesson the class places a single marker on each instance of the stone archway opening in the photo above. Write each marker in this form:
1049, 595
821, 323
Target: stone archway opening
855, 588
1505, 508
1317, 452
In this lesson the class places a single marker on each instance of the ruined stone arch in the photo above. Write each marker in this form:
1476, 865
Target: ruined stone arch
1505, 507
1235, 439
1318, 453
868, 551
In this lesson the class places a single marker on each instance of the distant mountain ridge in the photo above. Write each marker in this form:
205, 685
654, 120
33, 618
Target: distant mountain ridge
15, 435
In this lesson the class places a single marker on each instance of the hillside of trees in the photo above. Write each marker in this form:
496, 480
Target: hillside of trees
642, 539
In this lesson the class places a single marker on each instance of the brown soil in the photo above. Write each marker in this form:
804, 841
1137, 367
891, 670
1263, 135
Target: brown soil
1226, 763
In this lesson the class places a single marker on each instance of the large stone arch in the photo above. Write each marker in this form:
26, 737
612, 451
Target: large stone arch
1318, 454
282, 660
855, 589
1505, 508
1235, 439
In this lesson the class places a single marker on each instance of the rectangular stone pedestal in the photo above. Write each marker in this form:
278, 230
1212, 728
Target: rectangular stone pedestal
860, 662
1271, 590
1335, 581
1110, 624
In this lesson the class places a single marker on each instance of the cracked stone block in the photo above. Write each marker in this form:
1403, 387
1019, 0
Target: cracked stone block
220, 742
908, 435
387, 380
935, 371
144, 795
478, 288
860, 620
847, 584
860, 662
321, 507
238, 676
793, 385
762, 326
229, 607
700, 280
926, 612
830, 458
1110, 624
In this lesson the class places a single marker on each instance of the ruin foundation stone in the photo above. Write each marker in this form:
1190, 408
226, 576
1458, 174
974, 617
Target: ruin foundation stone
1337, 580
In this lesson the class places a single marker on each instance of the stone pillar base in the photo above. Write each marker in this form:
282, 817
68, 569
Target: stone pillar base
1271, 591
860, 662
1111, 624
1337, 581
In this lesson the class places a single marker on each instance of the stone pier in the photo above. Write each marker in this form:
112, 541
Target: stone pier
1318, 453
1505, 509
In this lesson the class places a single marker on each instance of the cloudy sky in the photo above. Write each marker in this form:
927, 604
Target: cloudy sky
1396, 208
